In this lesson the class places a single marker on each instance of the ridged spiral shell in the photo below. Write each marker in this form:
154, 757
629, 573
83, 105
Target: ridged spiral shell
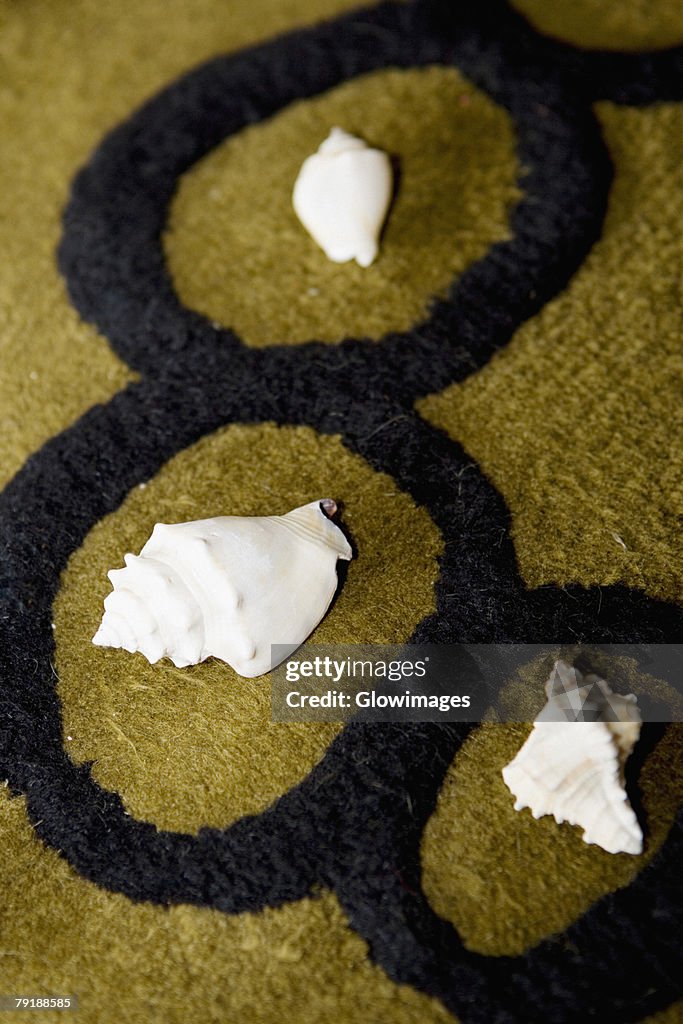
227, 587
572, 764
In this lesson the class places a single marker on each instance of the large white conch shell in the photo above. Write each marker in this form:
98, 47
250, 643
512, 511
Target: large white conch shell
341, 196
226, 587
572, 764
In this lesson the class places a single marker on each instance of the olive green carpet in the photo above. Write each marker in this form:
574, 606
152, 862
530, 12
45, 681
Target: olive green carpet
574, 425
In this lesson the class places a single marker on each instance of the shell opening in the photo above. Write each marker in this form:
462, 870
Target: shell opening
328, 506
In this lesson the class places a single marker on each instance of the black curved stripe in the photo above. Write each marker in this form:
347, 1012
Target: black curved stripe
633, 79
311, 834
111, 253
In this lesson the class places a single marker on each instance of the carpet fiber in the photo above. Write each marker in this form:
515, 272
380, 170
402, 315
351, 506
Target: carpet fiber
496, 402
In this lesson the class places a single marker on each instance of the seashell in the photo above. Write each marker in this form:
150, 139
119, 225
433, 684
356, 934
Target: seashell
226, 588
572, 764
341, 196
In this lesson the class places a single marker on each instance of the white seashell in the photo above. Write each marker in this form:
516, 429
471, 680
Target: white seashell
226, 588
341, 196
572, 764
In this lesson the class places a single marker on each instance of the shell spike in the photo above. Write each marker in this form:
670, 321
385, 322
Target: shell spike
104, 637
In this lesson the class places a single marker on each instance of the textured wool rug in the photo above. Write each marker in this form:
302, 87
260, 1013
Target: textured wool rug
497, 402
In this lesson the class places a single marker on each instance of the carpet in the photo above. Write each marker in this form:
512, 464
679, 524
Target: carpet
496, 402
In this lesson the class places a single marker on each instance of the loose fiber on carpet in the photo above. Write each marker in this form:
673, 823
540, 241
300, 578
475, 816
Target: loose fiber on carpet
497, 403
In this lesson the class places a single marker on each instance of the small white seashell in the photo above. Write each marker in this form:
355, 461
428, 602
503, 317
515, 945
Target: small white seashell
226, 588
341, 196
572, 764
